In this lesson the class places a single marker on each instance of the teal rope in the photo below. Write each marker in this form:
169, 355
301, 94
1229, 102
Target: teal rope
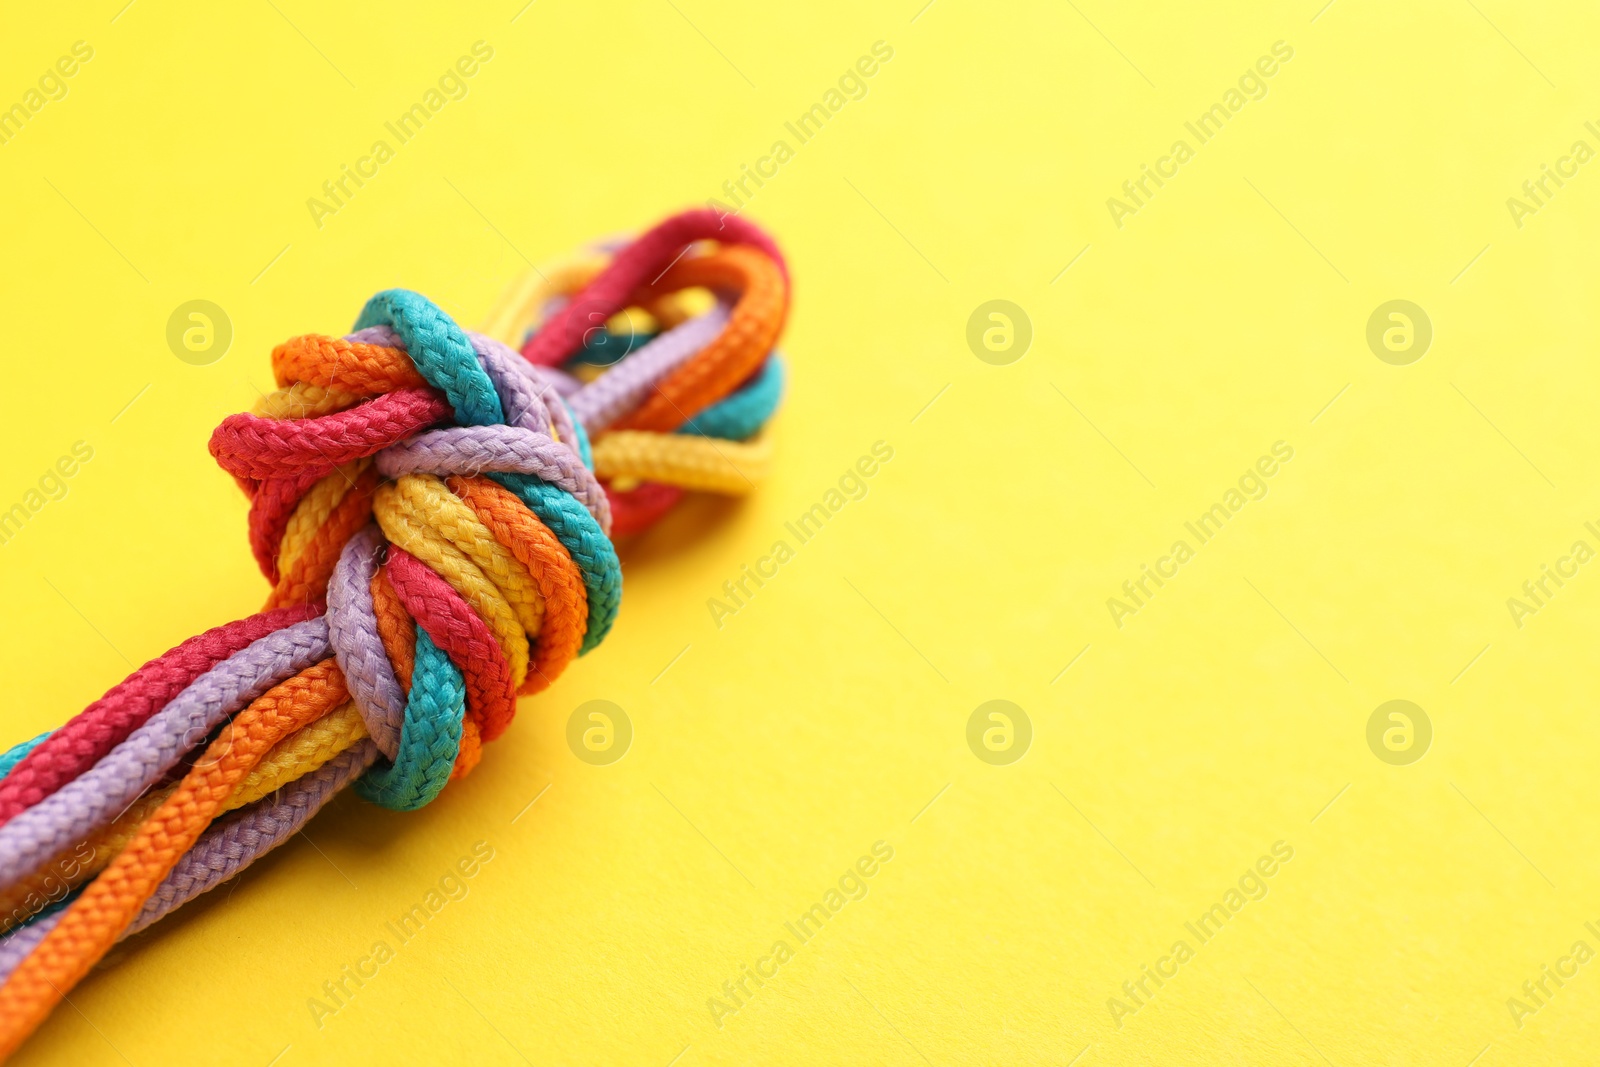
739, 415
585, 542
430, 736
606, 348
585, 453
53, 907
15, 754
445, 357
440, 350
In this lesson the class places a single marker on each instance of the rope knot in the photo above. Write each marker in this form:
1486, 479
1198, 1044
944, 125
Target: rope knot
438, 490
436, 526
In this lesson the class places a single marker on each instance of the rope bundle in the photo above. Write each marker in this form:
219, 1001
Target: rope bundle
434, 510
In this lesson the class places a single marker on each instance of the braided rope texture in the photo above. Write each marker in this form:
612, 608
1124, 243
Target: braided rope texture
433, 509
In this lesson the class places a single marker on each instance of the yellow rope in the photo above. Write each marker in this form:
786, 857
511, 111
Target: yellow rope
313, 510
406, 513
300, 753
303, 400
521, 304
73, 866
427, 500
702, 463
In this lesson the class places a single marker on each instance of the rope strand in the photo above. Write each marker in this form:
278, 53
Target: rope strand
436, 527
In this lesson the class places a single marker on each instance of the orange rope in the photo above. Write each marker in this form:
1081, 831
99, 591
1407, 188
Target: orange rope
89, 927
307, 578
556, 576
339, 403
398, 632
717, 370
348, 366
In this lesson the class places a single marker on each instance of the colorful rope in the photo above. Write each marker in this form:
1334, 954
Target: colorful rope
434, 511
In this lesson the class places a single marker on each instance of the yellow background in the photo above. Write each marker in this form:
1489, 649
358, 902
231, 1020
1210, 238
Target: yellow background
825, 716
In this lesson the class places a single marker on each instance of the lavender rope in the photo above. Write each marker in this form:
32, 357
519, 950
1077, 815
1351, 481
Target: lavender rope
233, 843
227, 847
476, 449
620, 389
563, 383
353, 632
529, 401
522, 396
530, 396
540, 438
100, 793
21, 941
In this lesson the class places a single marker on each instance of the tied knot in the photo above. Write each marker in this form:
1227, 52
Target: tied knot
434, 488
438, 490
434, 509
